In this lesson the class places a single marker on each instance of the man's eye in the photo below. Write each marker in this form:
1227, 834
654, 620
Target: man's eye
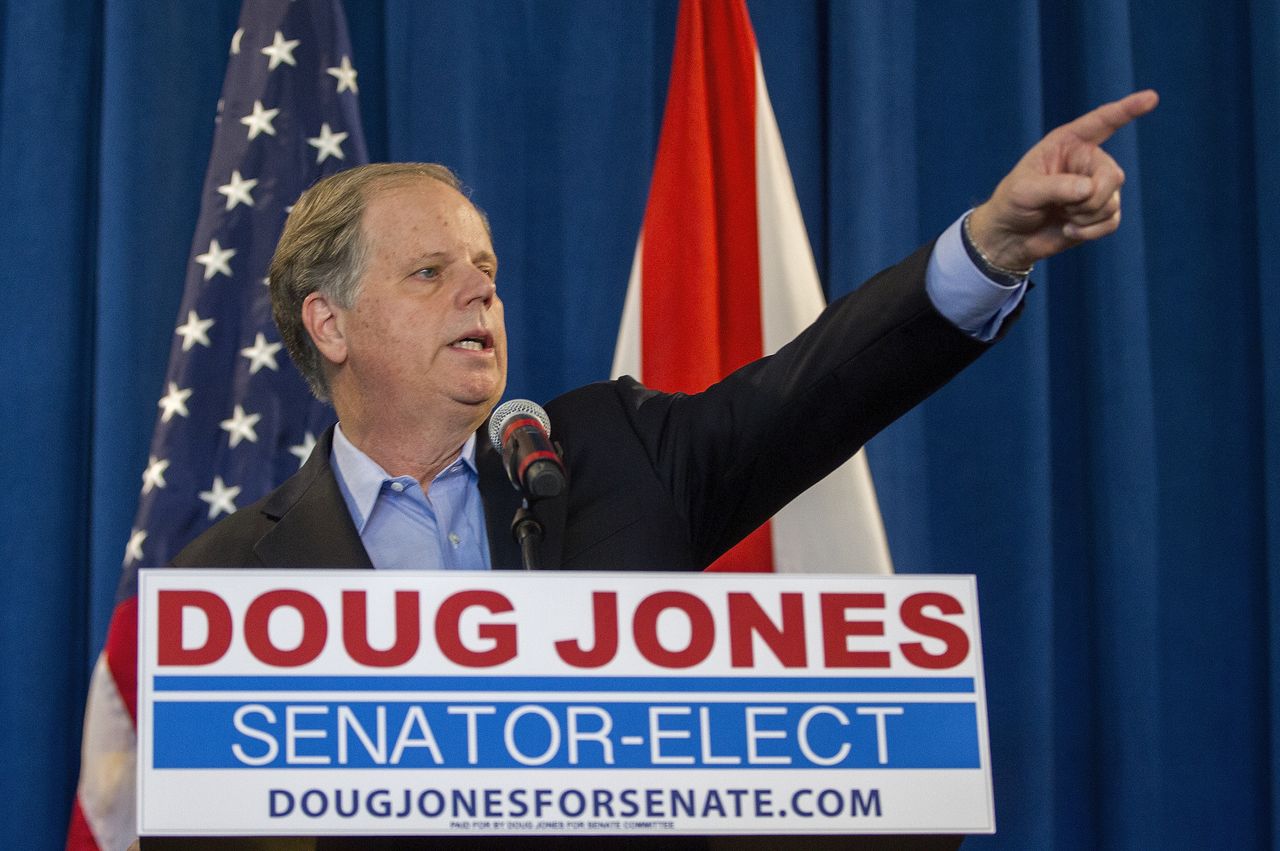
428, 272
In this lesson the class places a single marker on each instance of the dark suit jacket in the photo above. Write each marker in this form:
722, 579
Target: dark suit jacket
663, 481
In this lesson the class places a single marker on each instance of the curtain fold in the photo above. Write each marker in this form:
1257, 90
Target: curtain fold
1111, 471
49, 116
1265, 68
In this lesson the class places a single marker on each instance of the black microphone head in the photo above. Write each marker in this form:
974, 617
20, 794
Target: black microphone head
544, 480
515, 408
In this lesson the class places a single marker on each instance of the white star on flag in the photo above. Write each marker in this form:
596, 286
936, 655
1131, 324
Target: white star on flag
221, 499
194, 330
346, 76
174, 402
235, 42
259, 121
261, 354
303, 450
237, 190
280, 51
133, 549
153, 476
327, 144
216, 260
240, 427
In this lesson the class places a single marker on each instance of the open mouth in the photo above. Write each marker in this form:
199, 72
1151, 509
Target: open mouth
473, 342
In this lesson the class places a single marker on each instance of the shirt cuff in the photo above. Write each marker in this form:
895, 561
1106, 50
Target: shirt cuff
960, 291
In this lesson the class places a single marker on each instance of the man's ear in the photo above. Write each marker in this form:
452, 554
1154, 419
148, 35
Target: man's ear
323, 322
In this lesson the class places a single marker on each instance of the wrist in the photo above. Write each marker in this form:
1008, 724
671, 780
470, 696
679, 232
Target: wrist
990, 263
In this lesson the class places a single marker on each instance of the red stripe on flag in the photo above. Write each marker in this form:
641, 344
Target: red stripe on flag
122, 654
700, 262
79, 835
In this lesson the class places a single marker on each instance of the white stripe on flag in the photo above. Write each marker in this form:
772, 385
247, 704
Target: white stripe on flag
107, 790
626, 354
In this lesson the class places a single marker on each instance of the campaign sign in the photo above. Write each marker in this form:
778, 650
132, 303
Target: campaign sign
387, 702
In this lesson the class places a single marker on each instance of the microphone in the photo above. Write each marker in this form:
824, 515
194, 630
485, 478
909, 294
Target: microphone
521, 431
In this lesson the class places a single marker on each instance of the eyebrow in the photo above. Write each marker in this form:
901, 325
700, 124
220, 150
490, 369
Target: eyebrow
427, 258
484, 256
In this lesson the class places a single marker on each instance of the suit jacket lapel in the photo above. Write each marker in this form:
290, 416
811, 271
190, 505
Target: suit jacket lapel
552, 514
313, 527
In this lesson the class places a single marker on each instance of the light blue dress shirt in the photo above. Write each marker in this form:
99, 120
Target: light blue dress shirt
401, 527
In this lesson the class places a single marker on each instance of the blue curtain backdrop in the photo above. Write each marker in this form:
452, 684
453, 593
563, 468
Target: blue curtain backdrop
1110, 472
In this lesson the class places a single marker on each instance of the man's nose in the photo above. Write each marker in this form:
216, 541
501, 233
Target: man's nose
476, 286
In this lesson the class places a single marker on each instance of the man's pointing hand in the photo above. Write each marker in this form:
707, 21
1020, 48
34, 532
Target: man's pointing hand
1064, 191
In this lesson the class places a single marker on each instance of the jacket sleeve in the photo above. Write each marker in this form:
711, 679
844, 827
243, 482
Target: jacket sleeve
734, 454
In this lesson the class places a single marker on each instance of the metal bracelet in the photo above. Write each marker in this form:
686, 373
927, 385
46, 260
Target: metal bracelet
994, 268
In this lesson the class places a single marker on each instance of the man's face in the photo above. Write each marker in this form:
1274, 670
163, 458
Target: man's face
426, 332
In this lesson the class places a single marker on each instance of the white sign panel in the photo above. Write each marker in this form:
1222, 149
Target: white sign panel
365, 702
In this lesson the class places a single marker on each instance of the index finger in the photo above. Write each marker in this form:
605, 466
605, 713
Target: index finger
1098, 125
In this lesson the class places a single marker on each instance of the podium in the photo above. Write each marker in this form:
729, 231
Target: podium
559, 710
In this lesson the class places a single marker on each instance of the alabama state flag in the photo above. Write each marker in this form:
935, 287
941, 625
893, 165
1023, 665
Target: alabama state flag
723, 275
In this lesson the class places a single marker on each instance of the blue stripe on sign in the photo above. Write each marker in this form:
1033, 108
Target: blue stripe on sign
605, 734
778, 685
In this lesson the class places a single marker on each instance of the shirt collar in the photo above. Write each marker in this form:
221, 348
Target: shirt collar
360, 478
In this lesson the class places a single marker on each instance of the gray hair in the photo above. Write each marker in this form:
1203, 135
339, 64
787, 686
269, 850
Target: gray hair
321, 250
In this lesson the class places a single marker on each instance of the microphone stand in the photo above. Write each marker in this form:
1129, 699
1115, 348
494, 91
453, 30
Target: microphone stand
527, 529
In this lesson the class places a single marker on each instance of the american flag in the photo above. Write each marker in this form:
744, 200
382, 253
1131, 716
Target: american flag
234, 418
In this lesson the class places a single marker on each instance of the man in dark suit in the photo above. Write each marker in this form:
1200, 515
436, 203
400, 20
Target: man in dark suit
383, 286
